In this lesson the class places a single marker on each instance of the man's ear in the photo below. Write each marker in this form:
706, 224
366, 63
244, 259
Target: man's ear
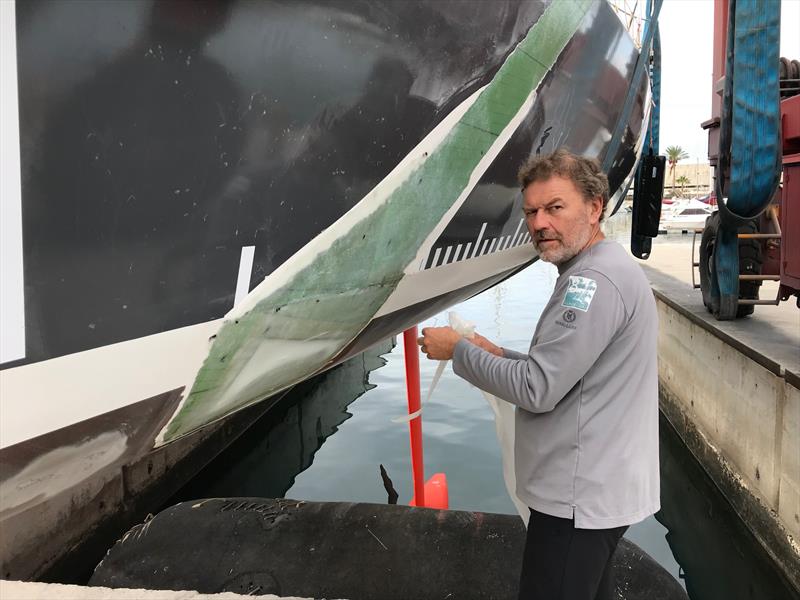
596, 204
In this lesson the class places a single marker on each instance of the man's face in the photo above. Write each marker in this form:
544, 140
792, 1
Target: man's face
559, 220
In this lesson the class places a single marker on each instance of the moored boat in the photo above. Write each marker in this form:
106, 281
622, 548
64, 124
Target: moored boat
685, 216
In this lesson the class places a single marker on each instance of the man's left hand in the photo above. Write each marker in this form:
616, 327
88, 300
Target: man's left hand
438, 343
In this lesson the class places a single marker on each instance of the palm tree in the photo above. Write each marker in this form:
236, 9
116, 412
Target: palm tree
682, 181
674, 154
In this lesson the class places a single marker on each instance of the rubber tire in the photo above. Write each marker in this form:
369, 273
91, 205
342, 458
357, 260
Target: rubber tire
750, 261
707, 242
788, 70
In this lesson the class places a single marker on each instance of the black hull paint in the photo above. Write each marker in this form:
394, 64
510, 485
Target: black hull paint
169, 136
153, 158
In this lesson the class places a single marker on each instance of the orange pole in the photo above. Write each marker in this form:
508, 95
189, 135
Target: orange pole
415, 425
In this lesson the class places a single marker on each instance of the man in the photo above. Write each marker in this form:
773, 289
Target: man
586, 428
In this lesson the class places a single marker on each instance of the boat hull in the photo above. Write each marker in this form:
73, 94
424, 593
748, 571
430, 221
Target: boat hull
163, 173
218, 200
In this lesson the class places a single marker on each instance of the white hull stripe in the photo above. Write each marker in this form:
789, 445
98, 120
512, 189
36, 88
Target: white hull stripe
48, 395
12, 296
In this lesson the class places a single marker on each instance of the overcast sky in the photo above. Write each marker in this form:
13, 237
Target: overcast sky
687, 34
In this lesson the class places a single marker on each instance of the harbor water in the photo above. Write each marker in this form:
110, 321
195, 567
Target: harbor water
327, 438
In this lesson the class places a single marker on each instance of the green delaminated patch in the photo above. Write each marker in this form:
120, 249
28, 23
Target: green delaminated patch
327, 303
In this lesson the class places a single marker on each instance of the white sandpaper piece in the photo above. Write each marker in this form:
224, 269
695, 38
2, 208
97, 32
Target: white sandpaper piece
504, 427
463, 328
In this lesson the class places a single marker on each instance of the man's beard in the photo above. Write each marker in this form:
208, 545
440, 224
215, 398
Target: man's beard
560, 252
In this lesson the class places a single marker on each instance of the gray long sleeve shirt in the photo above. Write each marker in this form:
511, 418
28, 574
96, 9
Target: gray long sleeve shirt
586, 429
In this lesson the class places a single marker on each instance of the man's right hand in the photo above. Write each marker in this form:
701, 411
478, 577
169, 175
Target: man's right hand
482, 342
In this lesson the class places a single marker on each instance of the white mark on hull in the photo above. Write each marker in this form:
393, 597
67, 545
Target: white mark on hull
516, 233
478, 241
447, 255
12, 296
60, 469
436, 257
245, 271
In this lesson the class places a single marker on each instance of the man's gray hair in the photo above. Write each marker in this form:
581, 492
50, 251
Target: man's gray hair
585, 174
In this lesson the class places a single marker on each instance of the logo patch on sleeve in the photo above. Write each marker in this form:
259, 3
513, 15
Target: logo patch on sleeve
580, 291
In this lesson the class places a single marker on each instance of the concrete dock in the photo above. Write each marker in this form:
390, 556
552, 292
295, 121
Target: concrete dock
732, 391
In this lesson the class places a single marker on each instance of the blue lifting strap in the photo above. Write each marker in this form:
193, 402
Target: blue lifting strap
653, 131
641, 245
651, 38
750, 135
750, 141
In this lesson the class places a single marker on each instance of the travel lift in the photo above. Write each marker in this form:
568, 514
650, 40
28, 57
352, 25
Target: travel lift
752, 135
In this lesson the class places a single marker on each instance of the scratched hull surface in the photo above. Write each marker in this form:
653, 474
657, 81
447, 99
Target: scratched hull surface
219, 199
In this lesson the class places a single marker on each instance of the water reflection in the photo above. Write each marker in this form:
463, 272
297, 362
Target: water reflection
280, 445
719, 557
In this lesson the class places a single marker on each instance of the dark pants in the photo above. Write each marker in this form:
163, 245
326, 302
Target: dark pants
565, 563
